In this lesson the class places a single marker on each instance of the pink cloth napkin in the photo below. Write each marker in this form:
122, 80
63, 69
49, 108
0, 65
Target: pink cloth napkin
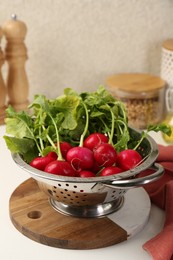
160, 247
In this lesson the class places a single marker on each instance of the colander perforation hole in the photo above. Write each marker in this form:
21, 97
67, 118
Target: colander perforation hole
116, 193
142, 151
122, 192
73, 194
50, 192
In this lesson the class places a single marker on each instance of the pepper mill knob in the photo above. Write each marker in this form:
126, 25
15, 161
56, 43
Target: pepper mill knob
2, 86
16, 55
14, 29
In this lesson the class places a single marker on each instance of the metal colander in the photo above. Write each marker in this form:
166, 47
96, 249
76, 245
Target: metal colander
95, 196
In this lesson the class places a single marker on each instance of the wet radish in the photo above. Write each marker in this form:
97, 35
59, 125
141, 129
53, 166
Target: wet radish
86, 174
80, 158
94, 140
52, 155
128, 159
65, 146
60, 168
96, 168
105, 155
110, 171
41, 162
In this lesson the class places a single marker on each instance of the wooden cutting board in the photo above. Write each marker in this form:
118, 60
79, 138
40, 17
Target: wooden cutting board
32, 215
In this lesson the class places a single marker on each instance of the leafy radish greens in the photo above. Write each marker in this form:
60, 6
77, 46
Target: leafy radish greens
70, 117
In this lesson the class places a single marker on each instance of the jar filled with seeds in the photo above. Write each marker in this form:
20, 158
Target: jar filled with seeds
143, 96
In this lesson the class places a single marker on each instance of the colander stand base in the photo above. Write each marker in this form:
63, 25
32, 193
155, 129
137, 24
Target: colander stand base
98, 210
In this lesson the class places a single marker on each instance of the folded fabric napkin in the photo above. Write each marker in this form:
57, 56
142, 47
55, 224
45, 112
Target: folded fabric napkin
160, 247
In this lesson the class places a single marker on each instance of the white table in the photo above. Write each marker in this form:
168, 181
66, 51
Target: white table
14, 245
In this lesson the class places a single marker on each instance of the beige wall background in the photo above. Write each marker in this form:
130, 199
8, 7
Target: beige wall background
79, 43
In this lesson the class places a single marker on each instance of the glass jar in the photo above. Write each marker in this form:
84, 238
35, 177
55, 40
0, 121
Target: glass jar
167, 75
143, 95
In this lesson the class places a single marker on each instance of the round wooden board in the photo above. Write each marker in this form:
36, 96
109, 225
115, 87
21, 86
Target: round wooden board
32, 215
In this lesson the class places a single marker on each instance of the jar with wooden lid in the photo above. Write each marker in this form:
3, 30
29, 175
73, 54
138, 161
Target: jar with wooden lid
143, 95
167, 75
167, 62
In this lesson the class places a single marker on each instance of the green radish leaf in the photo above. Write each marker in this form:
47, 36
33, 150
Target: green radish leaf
68, 105
18, 128
160, 128
17, 145
40, 102
19, 124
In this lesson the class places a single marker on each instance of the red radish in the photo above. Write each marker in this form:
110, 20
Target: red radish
110, 171
41, 162
80, 158
96, 168
65, 146
60, 168
128, 159
52, 155
94, 140
105, 155
86, 174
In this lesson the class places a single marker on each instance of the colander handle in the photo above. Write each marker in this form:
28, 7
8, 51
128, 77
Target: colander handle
137, 182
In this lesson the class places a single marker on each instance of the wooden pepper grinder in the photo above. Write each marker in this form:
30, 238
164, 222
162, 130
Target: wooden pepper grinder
16, 55
2, 86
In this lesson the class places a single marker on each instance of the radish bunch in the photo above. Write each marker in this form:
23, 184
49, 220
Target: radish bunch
90, 158
83, 135
96, 158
